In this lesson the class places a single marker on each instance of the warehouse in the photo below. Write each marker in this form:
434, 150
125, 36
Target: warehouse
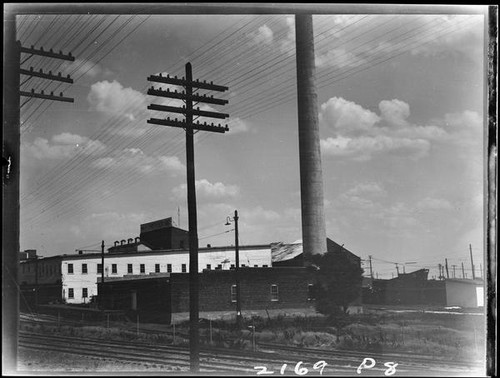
160, 297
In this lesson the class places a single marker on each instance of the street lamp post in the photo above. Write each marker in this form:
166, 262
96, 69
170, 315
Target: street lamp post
237, 266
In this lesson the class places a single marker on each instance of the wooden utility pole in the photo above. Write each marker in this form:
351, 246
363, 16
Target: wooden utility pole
237, 252
472, 263
446, 265
190, 126
453, 266
371, 269
11, 175
463, 271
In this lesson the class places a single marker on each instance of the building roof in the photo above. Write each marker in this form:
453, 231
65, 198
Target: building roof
284, 252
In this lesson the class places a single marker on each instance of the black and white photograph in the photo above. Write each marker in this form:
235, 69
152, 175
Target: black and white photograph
243, 189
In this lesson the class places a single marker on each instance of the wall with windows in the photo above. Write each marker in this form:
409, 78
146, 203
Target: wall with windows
81, 272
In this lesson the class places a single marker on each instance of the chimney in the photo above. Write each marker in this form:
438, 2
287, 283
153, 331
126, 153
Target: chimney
116, 243
123, 242
80, 252
209, 246
130, 240
137, 239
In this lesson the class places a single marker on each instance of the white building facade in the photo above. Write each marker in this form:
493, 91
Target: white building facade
79, 273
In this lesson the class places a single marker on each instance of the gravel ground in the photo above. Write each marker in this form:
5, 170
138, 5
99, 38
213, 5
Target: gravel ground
45, 362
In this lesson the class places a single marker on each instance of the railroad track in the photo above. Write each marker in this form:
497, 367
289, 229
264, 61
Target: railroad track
211, 360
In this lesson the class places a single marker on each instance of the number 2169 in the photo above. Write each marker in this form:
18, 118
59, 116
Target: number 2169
320, 365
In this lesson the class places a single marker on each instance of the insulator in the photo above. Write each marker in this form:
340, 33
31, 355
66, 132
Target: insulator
41, 71
212, 96
32, 47
160, 75
168, 89
70, 55
50, 72
31, 69
168, 76
175, 77
32, 90
41, 48
60, 52
52, 93
168, 118
42, 91
212, 124
68, 76
51, 51
61, 94
211, 82
204, 81
59, 74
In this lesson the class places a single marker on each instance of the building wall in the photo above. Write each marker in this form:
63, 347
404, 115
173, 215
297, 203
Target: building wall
462, 293
163, 296
257, 255
49, 271
215, 289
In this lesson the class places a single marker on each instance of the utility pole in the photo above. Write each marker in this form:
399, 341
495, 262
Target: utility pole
463, 271
11, 176
472, 263
397, 268
440, 274
371, 268
188, 97
447, 272
101, 302
237, 252
453, 266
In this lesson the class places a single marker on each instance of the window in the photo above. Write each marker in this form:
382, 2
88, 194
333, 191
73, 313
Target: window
219, 266
169, 268
310, 292
130, 270
84, 269
243, 265
233, 293
70, 268
255, 266
264, 266
157, 268
183, 268
209, 266
99, 268
274, 293
232, 266
143, 268
71, 293
85, 293
114, 269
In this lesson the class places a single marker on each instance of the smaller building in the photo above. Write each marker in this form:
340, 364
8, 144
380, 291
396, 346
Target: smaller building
464, 293
160, 296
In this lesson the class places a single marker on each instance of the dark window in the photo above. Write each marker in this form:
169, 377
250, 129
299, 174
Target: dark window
243, 265
219, 266
233, 293
183, 268
71, 293
130, 270
169, 268
264, 266
232, 266
84, 269
209, 266
143, 268
70, 268
85, 293
157, 268
310, 292
114, 269
274, 293
255, 266
99, 268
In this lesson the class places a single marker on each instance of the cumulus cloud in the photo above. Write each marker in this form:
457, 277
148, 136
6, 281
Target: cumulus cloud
238, 126
208, 190
346, 117
339, 58
361, 134
112, 98
135, 160
63, 146
263, 35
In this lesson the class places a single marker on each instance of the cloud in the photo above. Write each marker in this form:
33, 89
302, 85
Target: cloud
238, 126
339, 58
364, 148
207, 190
135, 160
61, 146
370, 189
263, 35
361, 134
112, 98
346, 117
429, 203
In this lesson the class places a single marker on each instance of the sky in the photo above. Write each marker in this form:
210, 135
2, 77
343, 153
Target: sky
400, 108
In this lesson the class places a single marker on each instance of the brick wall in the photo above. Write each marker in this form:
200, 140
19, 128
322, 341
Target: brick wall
255, 283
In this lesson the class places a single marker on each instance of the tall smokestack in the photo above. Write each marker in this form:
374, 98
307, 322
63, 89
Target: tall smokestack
311, 174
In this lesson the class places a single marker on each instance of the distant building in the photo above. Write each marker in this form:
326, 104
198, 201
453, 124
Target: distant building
163, 296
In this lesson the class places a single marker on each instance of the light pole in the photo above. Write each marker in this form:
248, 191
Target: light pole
237, 265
